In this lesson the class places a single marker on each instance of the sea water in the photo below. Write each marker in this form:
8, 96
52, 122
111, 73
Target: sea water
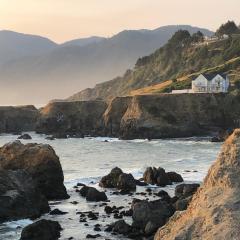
87, 160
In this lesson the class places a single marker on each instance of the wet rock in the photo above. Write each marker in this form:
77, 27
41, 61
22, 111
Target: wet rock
92, 194
25, 136
57, 212
174, 177
93, 236
156, 176
186, 190
42, 230
19, 196
50, 138
111, 180
121, 227
40, 161
126, 182
140, 183
60, 135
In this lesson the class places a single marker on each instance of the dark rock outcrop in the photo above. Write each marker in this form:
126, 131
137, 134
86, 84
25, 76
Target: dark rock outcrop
186, 190
81, 118
150, 215
18, 119
25, 136
118, 179
40, 161
92, 194
156, 176
19, 196
42, 230
213, 212
174, 177
111, 180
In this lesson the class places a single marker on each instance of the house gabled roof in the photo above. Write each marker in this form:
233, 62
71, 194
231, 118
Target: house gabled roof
209, 77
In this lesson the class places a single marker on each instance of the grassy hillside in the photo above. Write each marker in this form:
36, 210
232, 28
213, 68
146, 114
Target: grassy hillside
178, 62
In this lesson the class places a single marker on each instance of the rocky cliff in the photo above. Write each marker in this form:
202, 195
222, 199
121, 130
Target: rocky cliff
171, 115
144, 116
214, 211
72, 118
17, 119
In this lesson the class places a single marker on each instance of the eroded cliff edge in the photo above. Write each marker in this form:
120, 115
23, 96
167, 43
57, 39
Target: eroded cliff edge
144, 116
214, 211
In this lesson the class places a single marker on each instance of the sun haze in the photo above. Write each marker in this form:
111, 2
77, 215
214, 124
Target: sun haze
62, 20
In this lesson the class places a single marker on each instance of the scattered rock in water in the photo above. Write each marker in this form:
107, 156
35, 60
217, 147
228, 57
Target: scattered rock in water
117, 179
51, 138
19, 196
121, 227
92, 194
25, 136
156, 176
42, 230
126, 182
111, 180
174, 177
93, 236
40, 161
57, 212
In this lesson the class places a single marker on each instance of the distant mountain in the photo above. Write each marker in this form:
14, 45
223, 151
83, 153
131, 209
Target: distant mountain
15, 45
61, 70
84, 41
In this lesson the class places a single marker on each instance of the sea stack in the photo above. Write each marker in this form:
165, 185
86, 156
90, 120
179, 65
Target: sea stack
214, 212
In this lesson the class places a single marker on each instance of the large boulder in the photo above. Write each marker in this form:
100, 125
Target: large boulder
150, 215
42, 230
214, 211
186, 190
40, 161
19, 196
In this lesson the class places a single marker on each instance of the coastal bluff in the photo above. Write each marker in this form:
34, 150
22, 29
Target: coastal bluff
144, 116
17, 119
214, 211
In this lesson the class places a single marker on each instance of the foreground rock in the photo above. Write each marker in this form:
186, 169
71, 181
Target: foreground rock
214, 211
159, 177
18, 119
118, 179
42, 230
40, 161
19, 196
150, 215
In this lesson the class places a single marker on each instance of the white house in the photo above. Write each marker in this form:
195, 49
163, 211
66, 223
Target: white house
207, 83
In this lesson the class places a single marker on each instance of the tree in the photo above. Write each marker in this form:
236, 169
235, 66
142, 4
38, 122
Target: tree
228, 28
180, 37
198, 37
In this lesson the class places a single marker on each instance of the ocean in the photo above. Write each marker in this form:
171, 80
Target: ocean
87, 160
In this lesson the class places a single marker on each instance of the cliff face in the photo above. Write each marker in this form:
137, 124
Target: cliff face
17, 119
214, 211
171, 115
72, 118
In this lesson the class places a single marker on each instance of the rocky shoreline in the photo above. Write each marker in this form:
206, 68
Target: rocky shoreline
133, 117
147, 210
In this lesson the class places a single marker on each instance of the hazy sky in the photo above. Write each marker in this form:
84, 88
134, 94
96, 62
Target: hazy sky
62, 20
